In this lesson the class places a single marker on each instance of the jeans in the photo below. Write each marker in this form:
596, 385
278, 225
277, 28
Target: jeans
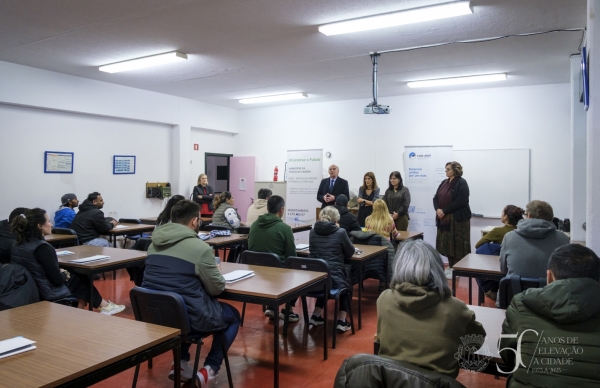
98, 242
231, 317
344, 302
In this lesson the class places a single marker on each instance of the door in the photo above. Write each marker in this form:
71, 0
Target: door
217, 169
241, 182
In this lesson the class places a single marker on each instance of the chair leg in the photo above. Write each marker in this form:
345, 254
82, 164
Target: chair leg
335, 316
196, 363
149, 363
305, 310
243, 314
226, 361
350, 312
135, 375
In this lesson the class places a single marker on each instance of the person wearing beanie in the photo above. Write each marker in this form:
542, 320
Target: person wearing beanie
66, 212
348, 221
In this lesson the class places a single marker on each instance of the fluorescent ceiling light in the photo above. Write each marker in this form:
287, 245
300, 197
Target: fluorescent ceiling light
279, 97
140, 63
409, 16
457, 81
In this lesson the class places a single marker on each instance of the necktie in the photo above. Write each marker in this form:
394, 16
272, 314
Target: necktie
331, 185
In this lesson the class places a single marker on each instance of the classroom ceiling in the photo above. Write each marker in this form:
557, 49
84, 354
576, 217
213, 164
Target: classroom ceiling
246, 48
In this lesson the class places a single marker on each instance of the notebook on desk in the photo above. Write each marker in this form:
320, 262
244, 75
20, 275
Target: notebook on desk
301, 247
15, 345
237, 275
90, 259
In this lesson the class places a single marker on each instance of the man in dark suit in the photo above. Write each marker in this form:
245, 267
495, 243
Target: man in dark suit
331, 187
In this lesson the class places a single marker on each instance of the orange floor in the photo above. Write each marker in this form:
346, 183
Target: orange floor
251, 356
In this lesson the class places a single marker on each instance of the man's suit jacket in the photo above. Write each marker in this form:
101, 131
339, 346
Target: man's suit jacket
340, 187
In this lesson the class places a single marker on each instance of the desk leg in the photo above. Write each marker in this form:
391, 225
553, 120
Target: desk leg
470, 290
91, 308
359, 295
325, 292
385, 270
177, 361
479, 296
453, 284
276, 349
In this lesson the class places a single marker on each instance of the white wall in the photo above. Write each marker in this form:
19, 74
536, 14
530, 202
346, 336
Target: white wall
535, 117
208, 141
25, 134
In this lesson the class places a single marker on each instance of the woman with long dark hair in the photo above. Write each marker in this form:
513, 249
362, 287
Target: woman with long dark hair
165, 216
397, 199
367, 194
34, 253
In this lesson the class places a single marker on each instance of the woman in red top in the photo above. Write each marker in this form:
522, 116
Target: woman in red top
204, 195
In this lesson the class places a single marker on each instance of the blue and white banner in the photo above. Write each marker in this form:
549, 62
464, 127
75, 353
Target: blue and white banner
424, 170
304, 171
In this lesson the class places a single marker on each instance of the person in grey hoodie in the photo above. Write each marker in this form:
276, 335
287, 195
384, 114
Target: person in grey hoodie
259, 207
526, 250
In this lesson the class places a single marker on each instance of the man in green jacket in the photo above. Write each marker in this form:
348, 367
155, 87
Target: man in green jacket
270, 234
552, 335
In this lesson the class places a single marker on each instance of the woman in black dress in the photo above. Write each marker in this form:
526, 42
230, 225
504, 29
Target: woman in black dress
367, 194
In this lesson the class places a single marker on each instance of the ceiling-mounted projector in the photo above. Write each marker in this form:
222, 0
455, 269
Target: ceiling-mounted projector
375, 108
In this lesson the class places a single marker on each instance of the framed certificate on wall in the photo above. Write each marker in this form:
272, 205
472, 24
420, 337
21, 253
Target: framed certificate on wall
123, 164
56, 162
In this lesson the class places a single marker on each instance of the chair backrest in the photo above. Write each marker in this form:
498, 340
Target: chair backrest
66, 231
260, 258
142, 244
369, 370
130, 221
160, 308
215, 227
307, 264
513, 285
243, 230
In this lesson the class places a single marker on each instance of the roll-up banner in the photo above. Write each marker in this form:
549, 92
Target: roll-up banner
304, 173
424, 170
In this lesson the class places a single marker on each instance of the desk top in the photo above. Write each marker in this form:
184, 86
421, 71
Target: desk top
59, 237
479, 263
269, 282
368, 252
60, 332
136, 228
491, 319
206, 219
148, 220
117, 255
408, 235
221, 240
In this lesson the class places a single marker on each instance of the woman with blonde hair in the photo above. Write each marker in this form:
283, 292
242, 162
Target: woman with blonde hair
204, 195
380, 220
367, 194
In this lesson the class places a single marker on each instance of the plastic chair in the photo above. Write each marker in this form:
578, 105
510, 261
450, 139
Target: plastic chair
266, 260
134, 237
168, 309
320, 265
513, 285
66, 231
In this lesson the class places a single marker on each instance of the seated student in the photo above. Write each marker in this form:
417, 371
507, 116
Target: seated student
178, 261
490, 244
329, 242
90, 223
259, 207
526, 250
225, 214
380, 221
348, 221
566, 316
165, 216
7, 237
270, 234
418, 320
34, 253
66, 212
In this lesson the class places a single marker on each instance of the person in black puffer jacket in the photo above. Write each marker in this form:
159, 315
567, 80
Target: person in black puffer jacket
329, 242
7, 238
373, 269
347, 221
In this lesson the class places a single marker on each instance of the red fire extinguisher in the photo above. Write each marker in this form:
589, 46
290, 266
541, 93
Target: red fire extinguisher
275, 174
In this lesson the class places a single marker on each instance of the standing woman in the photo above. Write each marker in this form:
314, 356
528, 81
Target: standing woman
367, 194
34, 253
397, 199
453, 215
225, 214
204, 195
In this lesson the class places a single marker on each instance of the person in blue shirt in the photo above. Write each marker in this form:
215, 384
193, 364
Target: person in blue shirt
65, 214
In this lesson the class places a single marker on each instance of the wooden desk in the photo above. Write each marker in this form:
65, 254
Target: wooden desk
491, 319
479, 267
63, 240
206, 220
72, 346
370, 252
131, 229
403, 236
148, 220
119, 258
488, 229
222, 242
273, 287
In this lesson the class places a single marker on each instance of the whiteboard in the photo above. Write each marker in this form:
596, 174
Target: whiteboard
496, 178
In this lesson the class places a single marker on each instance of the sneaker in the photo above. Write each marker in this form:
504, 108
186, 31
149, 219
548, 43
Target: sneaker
343, 325
316, 321
491, 294
269, 313
186, 371
448, 273
112, 308
293, 317
205, 376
